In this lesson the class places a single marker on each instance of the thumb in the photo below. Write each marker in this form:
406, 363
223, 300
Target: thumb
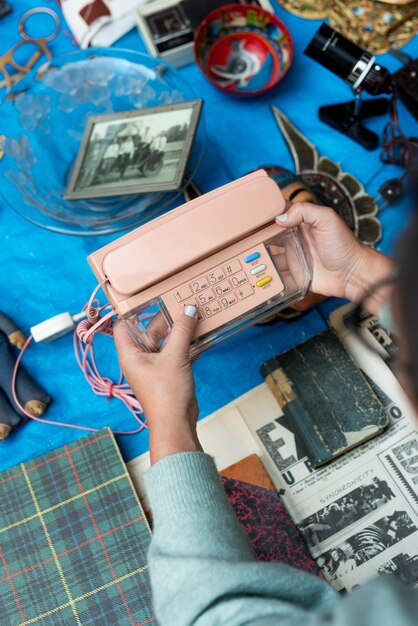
319, 217
181, 335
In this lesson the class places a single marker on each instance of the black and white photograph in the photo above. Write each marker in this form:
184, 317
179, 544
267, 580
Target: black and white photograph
348, 509
366, 544
135, 151
376, 336
402, 462
337, 563
404, 567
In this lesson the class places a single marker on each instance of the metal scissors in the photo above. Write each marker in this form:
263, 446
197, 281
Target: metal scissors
40, 43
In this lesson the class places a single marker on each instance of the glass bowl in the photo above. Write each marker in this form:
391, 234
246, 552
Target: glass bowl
45, 116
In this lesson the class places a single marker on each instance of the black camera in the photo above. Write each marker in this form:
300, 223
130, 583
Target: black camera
358, 68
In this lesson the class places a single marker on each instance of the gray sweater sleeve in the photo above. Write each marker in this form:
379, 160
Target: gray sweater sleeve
203, 571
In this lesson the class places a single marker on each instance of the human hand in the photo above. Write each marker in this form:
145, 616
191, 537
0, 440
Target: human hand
164, 385
342, 265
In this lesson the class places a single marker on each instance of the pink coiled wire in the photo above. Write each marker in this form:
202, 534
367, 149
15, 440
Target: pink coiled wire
84, 353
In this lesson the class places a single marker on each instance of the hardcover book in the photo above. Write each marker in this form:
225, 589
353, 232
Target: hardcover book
328, 402
73, 539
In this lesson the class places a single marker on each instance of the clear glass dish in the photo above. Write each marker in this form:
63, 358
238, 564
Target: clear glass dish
43, 120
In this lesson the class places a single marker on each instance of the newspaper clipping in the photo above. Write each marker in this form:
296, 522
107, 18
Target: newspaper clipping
359, 515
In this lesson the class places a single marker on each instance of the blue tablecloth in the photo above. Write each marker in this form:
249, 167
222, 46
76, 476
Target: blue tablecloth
43, 273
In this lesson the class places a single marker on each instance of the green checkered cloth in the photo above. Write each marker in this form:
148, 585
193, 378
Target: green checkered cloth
73, 540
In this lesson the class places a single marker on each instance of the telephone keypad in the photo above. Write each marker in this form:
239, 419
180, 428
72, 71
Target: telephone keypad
252, 275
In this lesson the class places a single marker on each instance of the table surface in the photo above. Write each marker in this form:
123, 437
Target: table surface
44, 273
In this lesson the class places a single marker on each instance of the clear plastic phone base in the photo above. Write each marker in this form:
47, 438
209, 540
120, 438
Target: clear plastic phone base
230, 296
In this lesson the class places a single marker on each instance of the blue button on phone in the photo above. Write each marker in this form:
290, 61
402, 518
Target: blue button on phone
252, 257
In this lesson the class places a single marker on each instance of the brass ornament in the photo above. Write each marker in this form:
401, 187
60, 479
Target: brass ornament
397, 1
375, 26
310, 9
330, 184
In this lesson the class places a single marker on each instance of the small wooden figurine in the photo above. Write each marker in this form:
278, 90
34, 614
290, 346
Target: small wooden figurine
32, 398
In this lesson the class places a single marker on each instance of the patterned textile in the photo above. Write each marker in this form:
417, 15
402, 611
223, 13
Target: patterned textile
273, 535
73, 540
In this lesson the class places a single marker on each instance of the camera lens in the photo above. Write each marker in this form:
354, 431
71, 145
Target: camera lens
342, 57
378, 80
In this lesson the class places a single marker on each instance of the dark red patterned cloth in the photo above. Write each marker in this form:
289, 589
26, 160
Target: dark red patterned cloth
272, 533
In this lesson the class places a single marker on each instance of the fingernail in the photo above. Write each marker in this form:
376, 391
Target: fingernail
282, 218
190, 310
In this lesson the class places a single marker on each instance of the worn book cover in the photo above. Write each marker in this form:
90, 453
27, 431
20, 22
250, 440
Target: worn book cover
329, 403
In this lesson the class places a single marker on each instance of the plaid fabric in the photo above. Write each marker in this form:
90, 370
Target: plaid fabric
73, 540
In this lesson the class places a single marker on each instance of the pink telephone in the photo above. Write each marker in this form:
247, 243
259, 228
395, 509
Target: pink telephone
222, 252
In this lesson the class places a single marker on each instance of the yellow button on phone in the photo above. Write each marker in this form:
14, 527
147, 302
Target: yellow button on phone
264, 281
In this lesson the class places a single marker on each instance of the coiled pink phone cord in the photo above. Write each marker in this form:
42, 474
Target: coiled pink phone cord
84, 353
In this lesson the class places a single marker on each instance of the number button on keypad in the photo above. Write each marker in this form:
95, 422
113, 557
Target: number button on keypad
228, 300
205, 296
222, 288
216, 275
183, 292
239, 279
212, 309
200, 283
244, 291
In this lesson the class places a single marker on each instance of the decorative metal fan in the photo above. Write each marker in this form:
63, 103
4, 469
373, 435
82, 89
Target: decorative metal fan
330, 185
